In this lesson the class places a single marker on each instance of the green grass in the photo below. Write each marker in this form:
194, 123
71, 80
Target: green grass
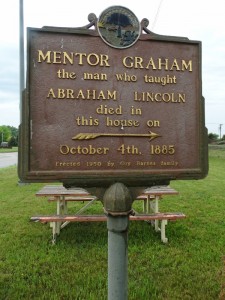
6, 150
191, 266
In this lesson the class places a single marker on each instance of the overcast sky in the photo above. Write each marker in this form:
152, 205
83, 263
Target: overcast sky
198, 20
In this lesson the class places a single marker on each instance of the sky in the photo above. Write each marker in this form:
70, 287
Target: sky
197, 20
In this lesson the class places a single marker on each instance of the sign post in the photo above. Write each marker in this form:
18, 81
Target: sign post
117, 204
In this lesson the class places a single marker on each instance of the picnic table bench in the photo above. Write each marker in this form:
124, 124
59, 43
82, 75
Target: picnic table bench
61, 196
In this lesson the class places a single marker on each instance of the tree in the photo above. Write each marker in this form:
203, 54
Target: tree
13, 142
213, 136
5, 133
14, 136
9, 134
14, 131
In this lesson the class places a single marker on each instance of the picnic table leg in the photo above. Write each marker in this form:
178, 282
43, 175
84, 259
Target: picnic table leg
54, 227
151, 204
65, 208
145, 205
156, 210
148, 204
59, 211
154, 207
164, 239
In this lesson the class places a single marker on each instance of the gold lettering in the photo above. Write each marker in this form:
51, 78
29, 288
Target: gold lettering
181, 97
135, 111
69, 94
61, 93
101, 95
121, 123
68, 58
166, 97
89, 150
111, 95
57, 57
82, 94
128, 149
145, 163
63, 74
86, 121
153, 123
162, 80
105, 110
128, 62
138, 63
93, 59
67, 164
51, 94
91, 94
104, 60
160, 97
95, 76
165, 64
42, 57
175, 65
186, 65
151, 63
172, 163
126, 77
80, 55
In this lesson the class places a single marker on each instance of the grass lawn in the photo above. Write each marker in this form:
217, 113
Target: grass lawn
6, 150
191, 266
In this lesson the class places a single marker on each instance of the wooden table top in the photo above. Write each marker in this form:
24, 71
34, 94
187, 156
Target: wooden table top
159, 191
59, 190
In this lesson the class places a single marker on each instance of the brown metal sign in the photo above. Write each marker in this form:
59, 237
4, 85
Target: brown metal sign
96, 113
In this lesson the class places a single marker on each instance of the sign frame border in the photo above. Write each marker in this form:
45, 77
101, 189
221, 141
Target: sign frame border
98, 178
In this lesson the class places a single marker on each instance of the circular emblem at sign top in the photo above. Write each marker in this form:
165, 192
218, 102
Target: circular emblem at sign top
119, 27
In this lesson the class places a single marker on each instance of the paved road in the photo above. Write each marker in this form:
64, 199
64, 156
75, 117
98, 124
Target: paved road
8, 159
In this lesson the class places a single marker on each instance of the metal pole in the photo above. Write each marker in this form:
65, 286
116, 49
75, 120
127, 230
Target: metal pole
220, 127
21, 43
117, 204
117, 257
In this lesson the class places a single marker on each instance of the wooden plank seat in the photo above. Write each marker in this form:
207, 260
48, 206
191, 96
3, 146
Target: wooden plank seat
54, 219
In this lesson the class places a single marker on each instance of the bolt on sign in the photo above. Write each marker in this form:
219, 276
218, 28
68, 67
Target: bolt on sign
113, 103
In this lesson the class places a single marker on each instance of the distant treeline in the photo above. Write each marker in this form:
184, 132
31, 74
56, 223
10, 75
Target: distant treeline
9, 134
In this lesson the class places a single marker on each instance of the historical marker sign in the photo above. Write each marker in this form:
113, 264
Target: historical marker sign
112, 104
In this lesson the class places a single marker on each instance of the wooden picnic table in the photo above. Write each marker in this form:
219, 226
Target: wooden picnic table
61, 196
